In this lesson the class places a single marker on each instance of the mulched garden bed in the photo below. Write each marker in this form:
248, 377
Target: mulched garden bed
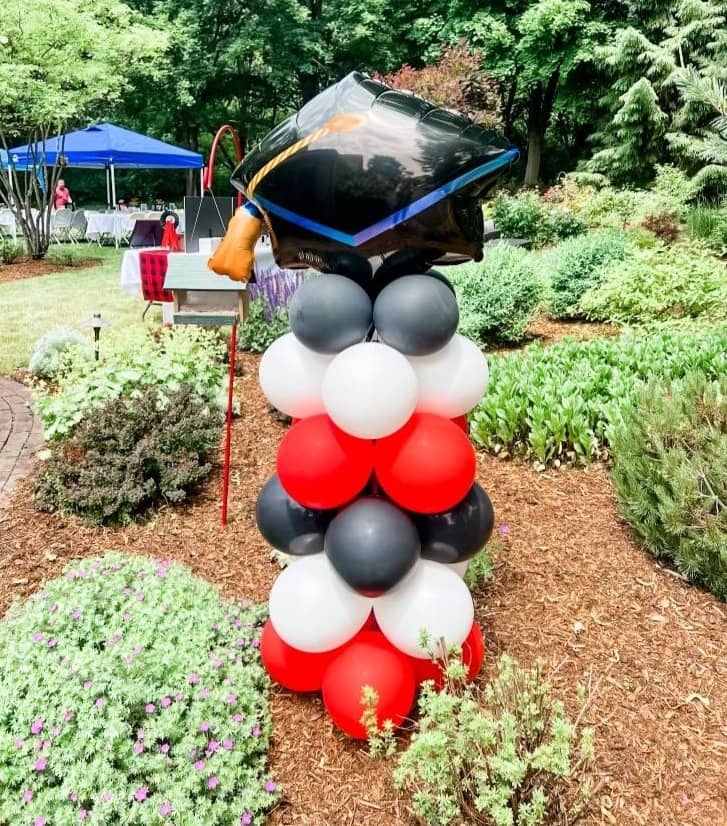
30, 268
570, 587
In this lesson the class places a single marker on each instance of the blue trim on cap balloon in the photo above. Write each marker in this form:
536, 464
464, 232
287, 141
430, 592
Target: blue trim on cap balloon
397, 217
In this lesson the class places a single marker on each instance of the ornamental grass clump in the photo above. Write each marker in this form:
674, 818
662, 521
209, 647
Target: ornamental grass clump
130, 693
670, 475
505, 755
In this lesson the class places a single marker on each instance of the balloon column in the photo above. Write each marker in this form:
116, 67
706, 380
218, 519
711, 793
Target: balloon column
375, 496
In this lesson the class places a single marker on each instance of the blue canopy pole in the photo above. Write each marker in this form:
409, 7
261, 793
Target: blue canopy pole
113, 187
108, 189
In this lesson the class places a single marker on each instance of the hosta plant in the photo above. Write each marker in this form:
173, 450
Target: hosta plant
556, 404
505, 755
131, 694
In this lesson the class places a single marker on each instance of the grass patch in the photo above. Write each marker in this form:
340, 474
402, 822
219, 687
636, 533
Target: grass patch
32, 306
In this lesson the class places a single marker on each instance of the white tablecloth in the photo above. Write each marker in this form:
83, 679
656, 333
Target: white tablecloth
131, 279
7, 222
114, 224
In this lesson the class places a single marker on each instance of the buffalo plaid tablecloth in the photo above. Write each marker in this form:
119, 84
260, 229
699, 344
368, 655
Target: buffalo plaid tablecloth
153, 267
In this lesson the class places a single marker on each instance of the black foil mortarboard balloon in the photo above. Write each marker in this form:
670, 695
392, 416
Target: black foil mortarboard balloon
364, 168
372, 544
329, 313
416, 315
286, 525
458, 534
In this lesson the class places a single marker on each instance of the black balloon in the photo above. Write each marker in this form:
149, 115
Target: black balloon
288, 526
329, 313
372, 544
416, 314
458, 534
350, 265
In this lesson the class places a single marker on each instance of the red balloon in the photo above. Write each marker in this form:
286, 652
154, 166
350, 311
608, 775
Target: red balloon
293, 669
427, 466
368, 659
371, 624
295, 420
322, 467
473, 655
461, 422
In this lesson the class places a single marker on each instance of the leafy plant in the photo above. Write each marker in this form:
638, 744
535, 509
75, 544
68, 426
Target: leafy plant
578, 264
10, 251
498, 296
558, 404
673, 183
131, 693
518, 216
166, 359
262, 327
561, 223
480, 566
49, 352
505, 754
664, 225
68, 256
129, 455
679, 281
670, 475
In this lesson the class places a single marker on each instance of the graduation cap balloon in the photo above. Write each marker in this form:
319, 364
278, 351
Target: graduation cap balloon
360, 171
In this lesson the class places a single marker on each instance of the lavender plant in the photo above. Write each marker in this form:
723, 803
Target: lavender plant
268, 316
132, 694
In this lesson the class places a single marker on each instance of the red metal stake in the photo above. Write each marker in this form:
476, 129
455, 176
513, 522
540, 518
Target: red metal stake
228, 425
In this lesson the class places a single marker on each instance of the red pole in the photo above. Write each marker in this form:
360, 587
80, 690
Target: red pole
228, 425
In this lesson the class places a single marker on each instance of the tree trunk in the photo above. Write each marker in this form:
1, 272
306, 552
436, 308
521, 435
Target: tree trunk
540, 108
535, 148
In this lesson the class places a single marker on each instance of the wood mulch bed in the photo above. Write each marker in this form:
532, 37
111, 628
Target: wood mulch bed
571, 587
30, 268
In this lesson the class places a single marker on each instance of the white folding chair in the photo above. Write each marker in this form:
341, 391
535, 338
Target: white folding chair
61, 226
77, 230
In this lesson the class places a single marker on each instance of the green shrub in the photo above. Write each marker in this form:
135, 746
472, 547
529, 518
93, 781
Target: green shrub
620, 208
165, 359
497, 296
259, 331
537, 220
578, 264
519, 216
505, 754
50, 352
129, 455
679, 281
117, 679
69, 256
670, 475
560, 224
557, 404
674, 184
10, 251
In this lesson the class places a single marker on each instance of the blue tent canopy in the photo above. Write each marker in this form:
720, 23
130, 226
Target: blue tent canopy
105, 145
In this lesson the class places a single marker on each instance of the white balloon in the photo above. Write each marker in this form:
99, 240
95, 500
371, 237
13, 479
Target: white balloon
460, 568
432, 598
370, 390
313, 609
452, 380
291, 377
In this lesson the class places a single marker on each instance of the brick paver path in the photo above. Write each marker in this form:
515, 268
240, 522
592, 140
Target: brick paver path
20, 435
